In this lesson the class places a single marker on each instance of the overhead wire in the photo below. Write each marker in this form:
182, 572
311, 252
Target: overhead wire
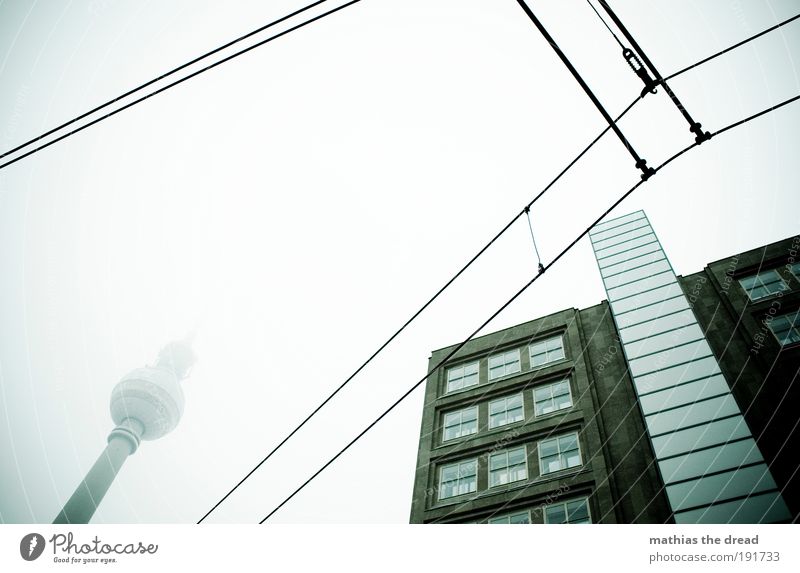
505, 305
167, 74
170, 85
430, 301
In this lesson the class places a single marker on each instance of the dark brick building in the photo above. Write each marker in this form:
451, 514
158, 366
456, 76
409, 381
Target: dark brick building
673, 401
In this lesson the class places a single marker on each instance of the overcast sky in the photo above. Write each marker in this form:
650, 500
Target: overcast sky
301, 201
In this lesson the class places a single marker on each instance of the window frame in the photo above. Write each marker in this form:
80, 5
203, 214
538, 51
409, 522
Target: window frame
506, 451
536, 413
564, 503
463, 367
792, 271
756, 276
460, 423
505, 364
508, 516
795, 326
558, 438
458, 463
546, 352
505, 398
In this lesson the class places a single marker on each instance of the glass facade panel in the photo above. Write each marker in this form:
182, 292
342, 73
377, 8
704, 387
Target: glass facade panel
694, 413
696, 464
606, 225
645, 298
623, 237
632, 289
552, 398
638, 273
668, 320
615, 230
645, 257
711, 434
548, 350
762, 508
763, 284
670, 357
461, 423
663, 341
786, 328
684, 394
677, 374
462, 376
647, 248
609, 250
504, 364
506, 410
720, 487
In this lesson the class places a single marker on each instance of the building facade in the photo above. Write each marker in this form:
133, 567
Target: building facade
670, 402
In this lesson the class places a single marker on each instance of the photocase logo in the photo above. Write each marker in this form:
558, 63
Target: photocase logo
31, 546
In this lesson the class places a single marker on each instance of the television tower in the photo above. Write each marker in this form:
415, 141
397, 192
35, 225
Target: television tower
145, 405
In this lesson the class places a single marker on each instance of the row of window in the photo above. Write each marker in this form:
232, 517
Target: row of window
505, 363
547, 398
767, 283
572, 511
509, 466
785, 327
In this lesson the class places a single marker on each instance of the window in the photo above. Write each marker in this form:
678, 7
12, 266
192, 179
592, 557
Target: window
795, 268
506, 411
503, 364
462, 377
519, 517
763, 284
458, 479
508, 466
786, 328
551, 398
575, 511
559, 453
547, 351
461, 423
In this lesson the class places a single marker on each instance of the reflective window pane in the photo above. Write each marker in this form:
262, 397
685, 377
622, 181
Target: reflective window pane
694, 413
621, 248
722, 457
551, 398
645, 298
684, 394
670, 357
710, 434
663, 341
638, 273
786, 328
646, 284
644, 257
545, 351
659, 324
763, 284
461, 377
763, 508
668, 377
504, 364
574, 511
618, 229
720, 487
630, 254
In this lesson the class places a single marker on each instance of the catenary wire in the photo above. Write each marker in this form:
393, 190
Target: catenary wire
621, 45
733, 47
428, 303
162, 76
515, 296
175, 83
